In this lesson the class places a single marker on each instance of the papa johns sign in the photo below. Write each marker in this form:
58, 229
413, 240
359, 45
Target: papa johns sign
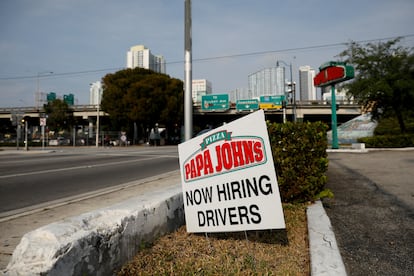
228, 179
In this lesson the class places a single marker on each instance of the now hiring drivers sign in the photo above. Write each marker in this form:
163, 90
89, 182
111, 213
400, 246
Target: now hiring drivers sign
228, 179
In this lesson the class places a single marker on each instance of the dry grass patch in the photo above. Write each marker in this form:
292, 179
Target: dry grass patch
276, 252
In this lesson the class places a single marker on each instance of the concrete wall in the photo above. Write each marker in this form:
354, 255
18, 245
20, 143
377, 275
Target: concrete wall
99, 242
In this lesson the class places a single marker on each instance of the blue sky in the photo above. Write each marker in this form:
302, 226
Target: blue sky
82, 40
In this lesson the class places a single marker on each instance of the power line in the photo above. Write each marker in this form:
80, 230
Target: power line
214, 58
61, 74
301, 48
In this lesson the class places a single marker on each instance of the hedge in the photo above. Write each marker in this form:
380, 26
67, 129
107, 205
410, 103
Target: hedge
300, 158
388, 141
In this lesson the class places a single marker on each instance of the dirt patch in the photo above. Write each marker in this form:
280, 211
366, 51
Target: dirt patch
270, 252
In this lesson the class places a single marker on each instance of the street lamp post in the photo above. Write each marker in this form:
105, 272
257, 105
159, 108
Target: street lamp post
292, 85
97, 118
188, 103
96, 90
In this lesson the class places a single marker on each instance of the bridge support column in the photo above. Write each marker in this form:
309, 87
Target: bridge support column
90, 128
299, 115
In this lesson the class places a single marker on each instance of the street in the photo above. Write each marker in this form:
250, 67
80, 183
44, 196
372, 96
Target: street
30, 180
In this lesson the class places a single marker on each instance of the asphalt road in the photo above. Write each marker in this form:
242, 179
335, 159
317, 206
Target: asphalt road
32, 180
372, 214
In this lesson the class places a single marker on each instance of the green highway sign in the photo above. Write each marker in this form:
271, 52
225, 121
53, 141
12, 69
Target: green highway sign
217, 102
277, 100
69, 99
51, 96
247, 105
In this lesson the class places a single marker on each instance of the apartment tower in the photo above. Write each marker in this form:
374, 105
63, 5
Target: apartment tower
307, 89
140, 56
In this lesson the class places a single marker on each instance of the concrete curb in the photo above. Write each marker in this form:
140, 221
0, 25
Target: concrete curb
98, 242
324, 252
366, 150
101, 241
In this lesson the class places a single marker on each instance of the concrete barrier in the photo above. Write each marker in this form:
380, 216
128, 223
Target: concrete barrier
99, 242
360, 146
324, 252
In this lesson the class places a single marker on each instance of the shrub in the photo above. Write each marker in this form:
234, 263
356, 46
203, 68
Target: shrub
388, 141
299, 153
390, 126
388, 134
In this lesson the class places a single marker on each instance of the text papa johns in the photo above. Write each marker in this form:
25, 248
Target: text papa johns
225, 157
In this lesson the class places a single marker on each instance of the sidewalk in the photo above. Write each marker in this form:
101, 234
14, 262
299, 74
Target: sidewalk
13, 229
372, 213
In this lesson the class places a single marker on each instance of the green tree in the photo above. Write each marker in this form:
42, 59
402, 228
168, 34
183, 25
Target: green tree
384, 81
59, 115
143, 97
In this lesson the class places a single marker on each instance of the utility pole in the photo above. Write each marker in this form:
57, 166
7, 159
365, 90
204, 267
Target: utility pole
97, 116
335, 144
188, 102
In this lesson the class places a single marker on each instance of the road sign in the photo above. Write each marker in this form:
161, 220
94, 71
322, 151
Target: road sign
51, 97
247, 105
332, 73
228, 179
277, 100
69, 99
42, 121
271, 102
270, 106
219, 102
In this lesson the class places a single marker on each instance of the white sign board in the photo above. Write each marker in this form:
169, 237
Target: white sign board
42, 121
228, 179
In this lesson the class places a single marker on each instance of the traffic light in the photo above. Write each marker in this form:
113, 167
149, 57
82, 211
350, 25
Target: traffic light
337, 107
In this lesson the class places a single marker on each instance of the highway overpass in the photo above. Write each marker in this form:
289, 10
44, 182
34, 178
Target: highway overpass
304, 111
302, 108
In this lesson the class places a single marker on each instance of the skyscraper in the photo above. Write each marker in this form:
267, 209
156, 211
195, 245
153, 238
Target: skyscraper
267, 82
239, 94
200, 88
140, 56
95, 93
307, 89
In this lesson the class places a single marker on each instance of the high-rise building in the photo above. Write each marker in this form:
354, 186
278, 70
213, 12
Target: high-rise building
140, 56
267, 82
239, 94
95, 93
200, 88
307, 88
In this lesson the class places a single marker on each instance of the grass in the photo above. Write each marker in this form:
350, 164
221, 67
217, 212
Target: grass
267, 252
